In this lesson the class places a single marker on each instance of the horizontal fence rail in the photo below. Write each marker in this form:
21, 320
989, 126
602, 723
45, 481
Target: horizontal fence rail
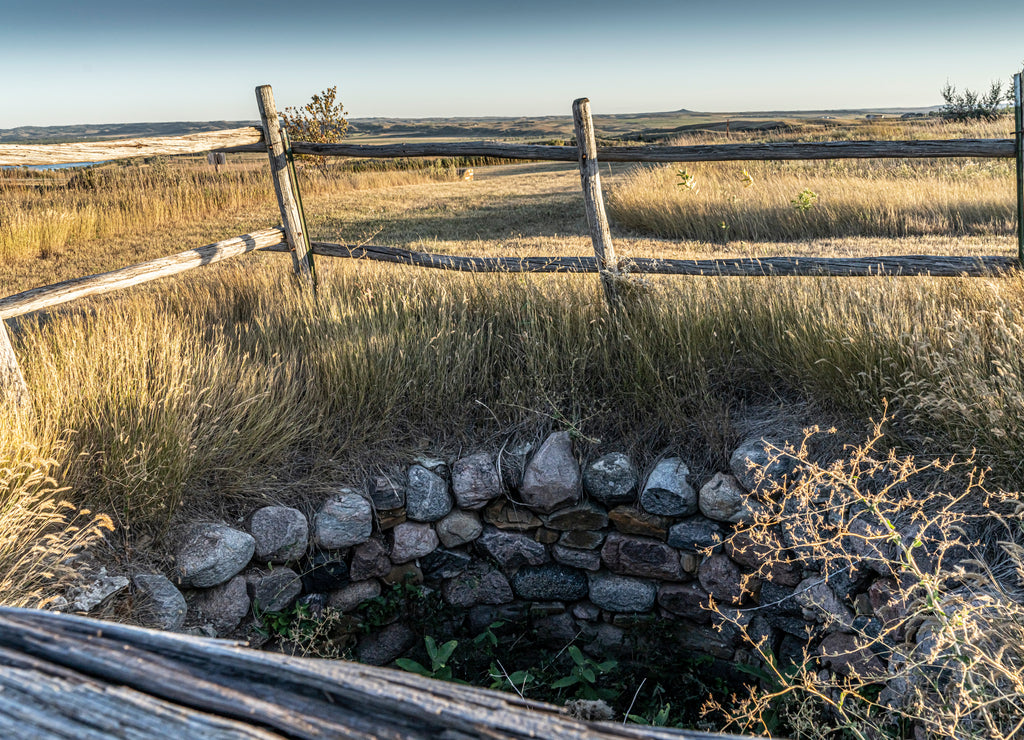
93, 151
903, 265
69, 290
786, 150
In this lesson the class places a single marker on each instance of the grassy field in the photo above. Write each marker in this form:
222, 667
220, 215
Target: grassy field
228, 387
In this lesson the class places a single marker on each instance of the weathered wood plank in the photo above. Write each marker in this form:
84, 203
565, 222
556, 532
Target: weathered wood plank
1018, 140
905, 265
13, 391
982, 148
593, 200
98, 151
53, 295
285, 187
297, 697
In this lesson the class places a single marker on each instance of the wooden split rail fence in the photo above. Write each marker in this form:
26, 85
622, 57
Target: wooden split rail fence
293, 237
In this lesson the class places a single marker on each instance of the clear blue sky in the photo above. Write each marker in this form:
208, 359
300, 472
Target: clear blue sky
105, 61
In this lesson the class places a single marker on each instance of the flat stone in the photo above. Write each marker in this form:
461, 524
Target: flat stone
723, 499
611, 479
586, 611
158, 603
722, 578
211, 554
387, 492
426, 496
687, 600
511, 550
643, 557
759, 469
555, 630
577, 518
621, 594
630, 520
546, 536
820, 603
690, 562
281, 534
481, 584
324, 571
696, 534
506, 515
667, 491
475, 481
100, 588
552, 478
408, 574
848, 654
390, 519
765, 555
369, 560
344, 520
383, 647
275, 590
549, 583
224, 606
412, 540
582, 539
585, 559
459, 528
442, 564
349, 597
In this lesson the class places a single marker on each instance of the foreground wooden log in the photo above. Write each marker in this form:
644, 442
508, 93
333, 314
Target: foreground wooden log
903, 265
53, 295
66, 676
98, 151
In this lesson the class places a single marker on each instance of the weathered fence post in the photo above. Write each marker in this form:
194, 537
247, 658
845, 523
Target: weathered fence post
1018, 138
13, 391
285, 187
600, 234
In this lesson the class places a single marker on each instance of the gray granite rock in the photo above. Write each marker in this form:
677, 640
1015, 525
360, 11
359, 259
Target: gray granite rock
511, 550
480, 584
158, 603
281, 534
97, 590
459, 528
549, 583
552, 478
475, 481
426, 495
275, 590
224, 606
369, 560
689, 600
695, 534
820, 603
722, 578
667, 491
621, 594
441, 564
585, 559
411, 540
642, 557
611, 479
759, 468
387, 491
348, 598
581, 539
723, 499
556, 630
383, 647
344, 520
211, 554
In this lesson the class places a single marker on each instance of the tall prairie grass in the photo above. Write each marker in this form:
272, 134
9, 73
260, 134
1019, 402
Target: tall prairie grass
761, 201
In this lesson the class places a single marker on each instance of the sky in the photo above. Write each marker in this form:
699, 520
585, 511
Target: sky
112, 61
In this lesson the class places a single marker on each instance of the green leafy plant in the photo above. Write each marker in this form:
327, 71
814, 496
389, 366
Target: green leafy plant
688, 181
439, 656
584, 676
805, 200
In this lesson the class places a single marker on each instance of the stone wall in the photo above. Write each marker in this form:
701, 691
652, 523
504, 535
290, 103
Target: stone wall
575, 553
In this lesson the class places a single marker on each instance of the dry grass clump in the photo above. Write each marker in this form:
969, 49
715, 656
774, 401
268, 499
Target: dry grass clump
938, 648
41, 533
